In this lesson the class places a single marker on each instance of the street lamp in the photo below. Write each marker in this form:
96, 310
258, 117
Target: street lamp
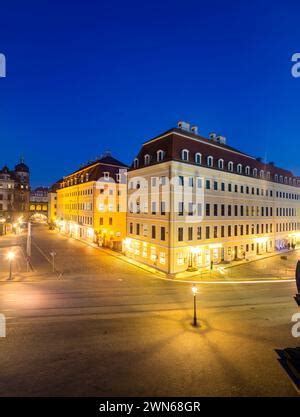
10, 256
194, 291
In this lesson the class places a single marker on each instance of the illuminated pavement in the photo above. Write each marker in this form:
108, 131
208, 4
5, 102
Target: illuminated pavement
109, 328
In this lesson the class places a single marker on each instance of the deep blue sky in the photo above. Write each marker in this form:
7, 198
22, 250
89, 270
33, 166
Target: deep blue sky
86, 76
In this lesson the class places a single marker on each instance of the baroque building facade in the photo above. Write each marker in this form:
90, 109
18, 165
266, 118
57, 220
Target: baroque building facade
195, 201
91, 202
14, 195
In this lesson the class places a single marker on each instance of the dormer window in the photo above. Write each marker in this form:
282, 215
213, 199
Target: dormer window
230, 166
281, 178
106, 175
239, 168
221, 163
285, 180
276, 177
210, 161
247, 170
185, 155
147, 159
262, 174
198, 158
160, 155
136, 163
254, 172
268, 175
118, 177
86, 176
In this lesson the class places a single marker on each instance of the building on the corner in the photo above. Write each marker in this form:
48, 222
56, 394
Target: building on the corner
196, 201
91, 202
14, 196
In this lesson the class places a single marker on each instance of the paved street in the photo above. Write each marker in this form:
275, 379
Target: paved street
108, 328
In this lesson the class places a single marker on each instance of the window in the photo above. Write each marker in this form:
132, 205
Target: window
239, 168
199, 232
215, 209
207, 232
255, 172
130, 227
153, 232
159, 155
190, 233
247, 170
136, 163
185, 155
207, 209
207, 183
162, 258
198, 158
153, 207
230, 166
147, 159
216, 185
181, 180
215, 232
221, 163
162, 233
163, 208
137, 229
106, 175
262, 174
180, 234
180, 208
210, 161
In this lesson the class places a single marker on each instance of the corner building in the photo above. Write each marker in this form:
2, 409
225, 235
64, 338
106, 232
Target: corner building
91, 203
196, 201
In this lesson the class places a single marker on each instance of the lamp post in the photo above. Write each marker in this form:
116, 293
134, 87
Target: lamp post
53, 260
10, 257
195, 290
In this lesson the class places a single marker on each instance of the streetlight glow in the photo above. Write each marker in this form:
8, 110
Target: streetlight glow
194, 289
10, 255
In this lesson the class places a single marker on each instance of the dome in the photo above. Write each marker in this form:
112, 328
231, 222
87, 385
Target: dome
5, 170
21, 167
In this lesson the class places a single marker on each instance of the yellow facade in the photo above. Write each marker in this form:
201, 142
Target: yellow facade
93, 210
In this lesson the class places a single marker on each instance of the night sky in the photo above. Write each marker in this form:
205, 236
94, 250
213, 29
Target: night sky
87, 76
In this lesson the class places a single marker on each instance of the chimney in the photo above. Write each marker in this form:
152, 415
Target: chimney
194, 129
221, 139
212, 135
184, 126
